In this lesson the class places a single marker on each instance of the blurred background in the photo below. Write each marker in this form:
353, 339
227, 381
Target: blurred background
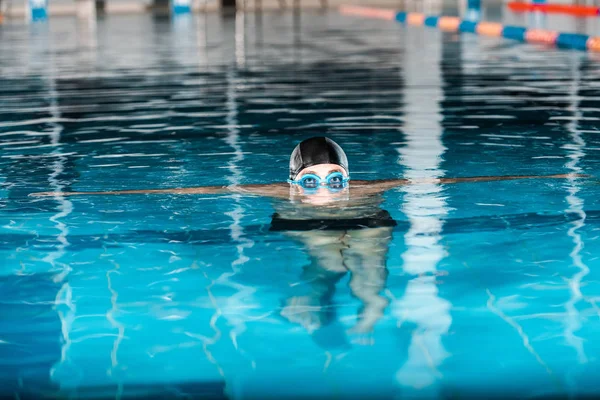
488, 10
485, 288
22, 8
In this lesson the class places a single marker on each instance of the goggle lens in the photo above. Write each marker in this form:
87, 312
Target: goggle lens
335, 180
309, 182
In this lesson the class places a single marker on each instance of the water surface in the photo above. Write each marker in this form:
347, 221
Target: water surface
484, 287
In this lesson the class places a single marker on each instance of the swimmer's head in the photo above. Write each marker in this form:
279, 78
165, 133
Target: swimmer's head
318, 153
318, 172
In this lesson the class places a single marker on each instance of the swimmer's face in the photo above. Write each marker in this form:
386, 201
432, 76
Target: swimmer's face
322, 194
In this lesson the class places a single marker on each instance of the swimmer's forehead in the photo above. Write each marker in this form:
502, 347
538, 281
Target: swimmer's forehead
322, 169
307, 172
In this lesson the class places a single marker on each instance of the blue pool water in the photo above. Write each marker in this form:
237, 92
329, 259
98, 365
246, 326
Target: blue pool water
480, 289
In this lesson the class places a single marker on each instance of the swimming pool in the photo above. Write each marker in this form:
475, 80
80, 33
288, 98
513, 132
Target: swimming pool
486, 288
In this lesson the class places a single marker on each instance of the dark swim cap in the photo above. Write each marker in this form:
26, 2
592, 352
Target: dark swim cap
314, 151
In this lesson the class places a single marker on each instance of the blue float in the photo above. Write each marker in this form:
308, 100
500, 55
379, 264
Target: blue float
468, 26
431, 21
572, 41
181, 6
401, 17
514, 32
38, 10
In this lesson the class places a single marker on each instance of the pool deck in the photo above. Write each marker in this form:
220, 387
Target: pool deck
16, 9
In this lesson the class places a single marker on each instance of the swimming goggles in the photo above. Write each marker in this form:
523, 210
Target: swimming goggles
335, 180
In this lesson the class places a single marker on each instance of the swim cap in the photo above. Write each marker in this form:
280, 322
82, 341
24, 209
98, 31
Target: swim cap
314, 151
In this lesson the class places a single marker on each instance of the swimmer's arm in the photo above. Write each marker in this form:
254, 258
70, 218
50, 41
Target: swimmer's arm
509, 178
383, 185
194, 190
273, 190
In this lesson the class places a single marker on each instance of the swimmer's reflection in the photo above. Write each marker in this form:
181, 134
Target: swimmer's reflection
353, 238
340, 223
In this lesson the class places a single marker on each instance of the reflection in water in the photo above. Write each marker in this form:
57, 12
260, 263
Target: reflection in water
425, 207
111, 317
575, 152
87, 36
183, 37
64, 305
202, 39
238, 300
240, 39
236, 304
334, 253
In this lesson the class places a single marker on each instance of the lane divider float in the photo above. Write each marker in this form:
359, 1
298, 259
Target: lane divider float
580, 11
454, 24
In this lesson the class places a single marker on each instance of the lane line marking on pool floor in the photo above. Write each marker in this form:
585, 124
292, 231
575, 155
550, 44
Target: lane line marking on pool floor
455, 24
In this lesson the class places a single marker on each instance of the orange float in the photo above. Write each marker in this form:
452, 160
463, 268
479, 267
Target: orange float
449, 24
489, 29
415, 19
593, 44
541, 36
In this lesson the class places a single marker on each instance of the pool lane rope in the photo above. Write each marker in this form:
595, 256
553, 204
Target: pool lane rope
455, 24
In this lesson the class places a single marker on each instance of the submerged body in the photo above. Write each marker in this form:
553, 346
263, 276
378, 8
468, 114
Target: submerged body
345, 235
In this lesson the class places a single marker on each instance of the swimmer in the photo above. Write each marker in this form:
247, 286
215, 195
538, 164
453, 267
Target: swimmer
339, 221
